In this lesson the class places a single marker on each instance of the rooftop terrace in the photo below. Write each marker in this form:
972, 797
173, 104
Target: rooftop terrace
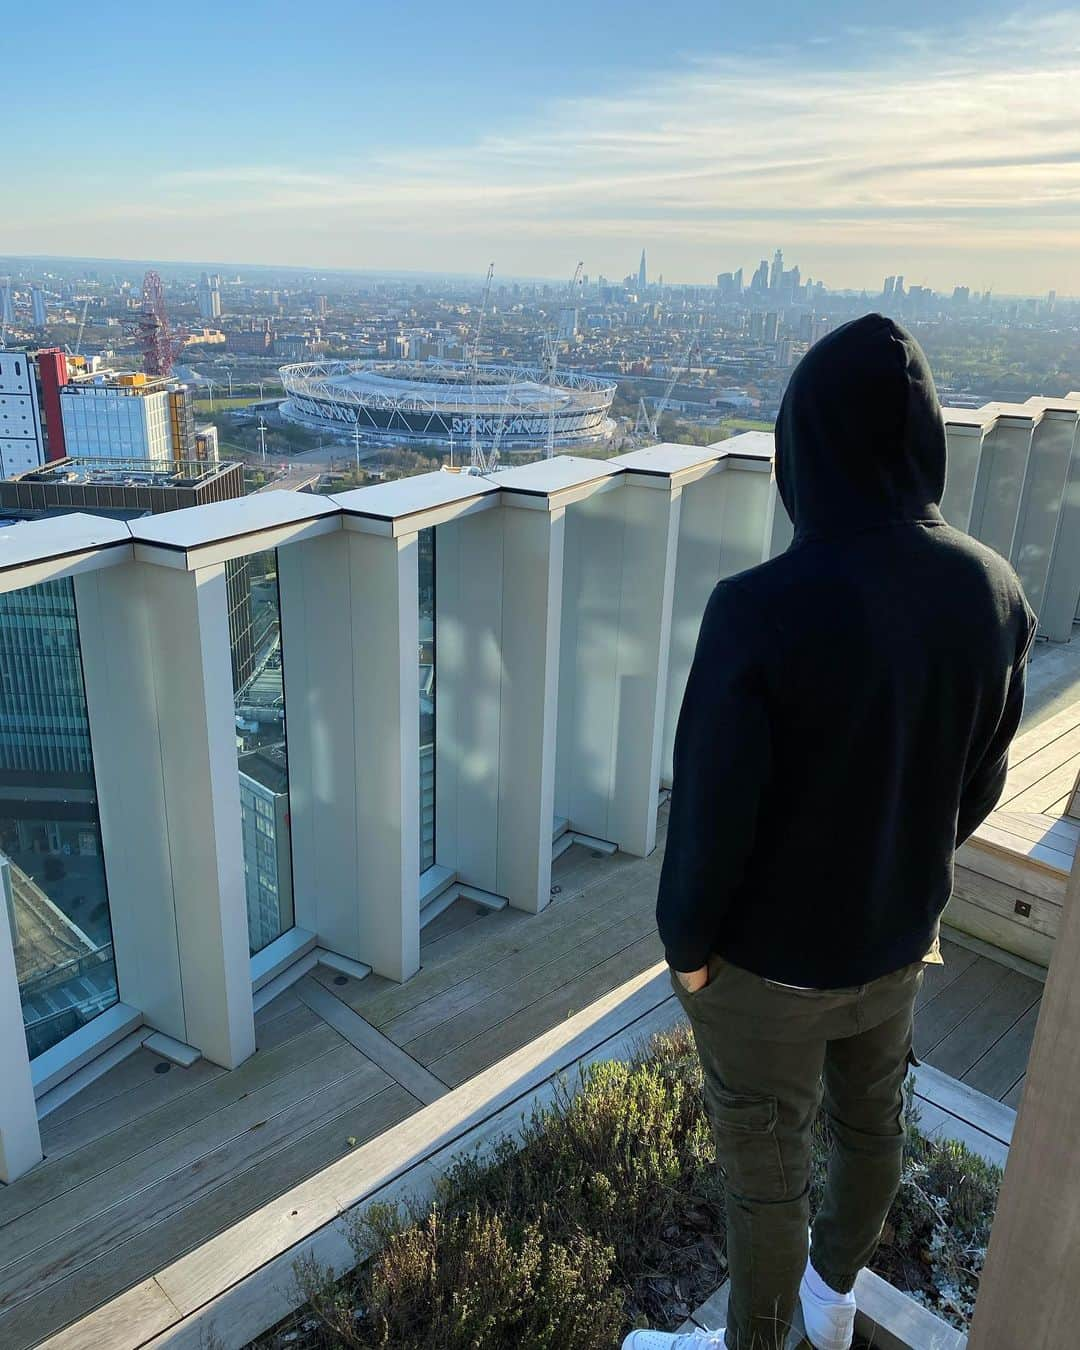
444, 896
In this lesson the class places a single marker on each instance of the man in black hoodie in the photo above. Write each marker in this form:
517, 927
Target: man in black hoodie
846, 725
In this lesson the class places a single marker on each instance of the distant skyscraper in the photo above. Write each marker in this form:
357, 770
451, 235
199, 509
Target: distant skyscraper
642, 274
889, 287
7, 309
772, 326
209, 297
761, 277
738, 282
899, 287
37, 300
776, 277
757, 325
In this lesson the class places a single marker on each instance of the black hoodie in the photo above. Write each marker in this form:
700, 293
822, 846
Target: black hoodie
849, 711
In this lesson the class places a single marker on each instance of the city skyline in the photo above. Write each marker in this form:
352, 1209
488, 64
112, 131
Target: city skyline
945, 151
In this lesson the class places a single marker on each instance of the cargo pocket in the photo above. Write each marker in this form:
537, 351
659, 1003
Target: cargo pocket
747, 1148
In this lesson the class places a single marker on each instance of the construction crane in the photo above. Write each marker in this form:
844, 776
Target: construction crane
82, 326
651, 422
476, 455
551, 359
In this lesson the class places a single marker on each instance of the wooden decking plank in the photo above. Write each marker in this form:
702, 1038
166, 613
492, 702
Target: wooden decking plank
1005, 1062
936, 1019
530, 984
378, 1048
1045, 733
1045, 789
285, 1002
146, 1166
1049, 855
985, 1025
132, 1260
136, 1083
1014, 1094
936, 978
577, 929
216, 1170
522, 1026
68, 1167
461, 914
535, 930
965, 1102
1036, 826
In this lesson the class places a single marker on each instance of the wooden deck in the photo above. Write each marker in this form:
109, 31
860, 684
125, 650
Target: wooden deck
152, 1161
1012, 874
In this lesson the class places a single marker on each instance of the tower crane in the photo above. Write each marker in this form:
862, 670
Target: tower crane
652, 422
476, 456
551, 358
82, 325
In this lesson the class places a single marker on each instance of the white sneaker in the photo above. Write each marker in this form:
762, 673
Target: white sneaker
829, 1322
667, 1340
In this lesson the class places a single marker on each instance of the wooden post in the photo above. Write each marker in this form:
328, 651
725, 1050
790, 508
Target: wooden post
1030, 1288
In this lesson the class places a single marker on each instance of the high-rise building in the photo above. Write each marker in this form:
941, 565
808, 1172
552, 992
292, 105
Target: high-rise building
127, 415
760, 282
642, 274
22, 445
37, 303
757, 325
568, 325
889, 287
776, 276
322, 304
737, 281
772, 326
7, 306
209, 297
899, 291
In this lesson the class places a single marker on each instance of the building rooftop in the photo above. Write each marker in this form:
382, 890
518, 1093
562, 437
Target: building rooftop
125, 472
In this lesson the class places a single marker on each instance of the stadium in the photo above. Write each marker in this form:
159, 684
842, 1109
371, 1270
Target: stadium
434, 403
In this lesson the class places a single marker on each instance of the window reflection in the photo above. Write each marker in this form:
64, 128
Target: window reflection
261, 753
52, 873
426, 565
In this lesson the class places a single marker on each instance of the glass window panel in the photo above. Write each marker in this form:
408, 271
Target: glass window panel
259, 690
52, 872
426, 567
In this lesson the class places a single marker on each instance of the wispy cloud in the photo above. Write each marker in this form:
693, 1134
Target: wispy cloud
939, 141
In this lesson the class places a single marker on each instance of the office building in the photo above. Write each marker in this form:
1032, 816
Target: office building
642, 274
772, 326
209, 297
7, 307
776, 276
760, 283
37, 304
264, 829
22, 445
127, 415
757, 325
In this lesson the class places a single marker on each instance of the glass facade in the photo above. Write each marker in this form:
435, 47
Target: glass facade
426, 567
52, 872
263, 759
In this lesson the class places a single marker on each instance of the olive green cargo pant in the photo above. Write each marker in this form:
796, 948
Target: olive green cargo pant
770, 1054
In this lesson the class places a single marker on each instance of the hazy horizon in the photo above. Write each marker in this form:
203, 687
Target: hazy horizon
419, 142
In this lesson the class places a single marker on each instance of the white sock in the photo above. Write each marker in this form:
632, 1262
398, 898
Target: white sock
820, 1289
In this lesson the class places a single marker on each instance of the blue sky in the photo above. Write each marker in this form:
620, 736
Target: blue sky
440, 136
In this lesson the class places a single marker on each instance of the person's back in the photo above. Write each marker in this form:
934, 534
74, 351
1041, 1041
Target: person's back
845, 724
851, 701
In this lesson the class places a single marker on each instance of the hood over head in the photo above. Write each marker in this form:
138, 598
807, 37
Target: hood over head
860, 439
